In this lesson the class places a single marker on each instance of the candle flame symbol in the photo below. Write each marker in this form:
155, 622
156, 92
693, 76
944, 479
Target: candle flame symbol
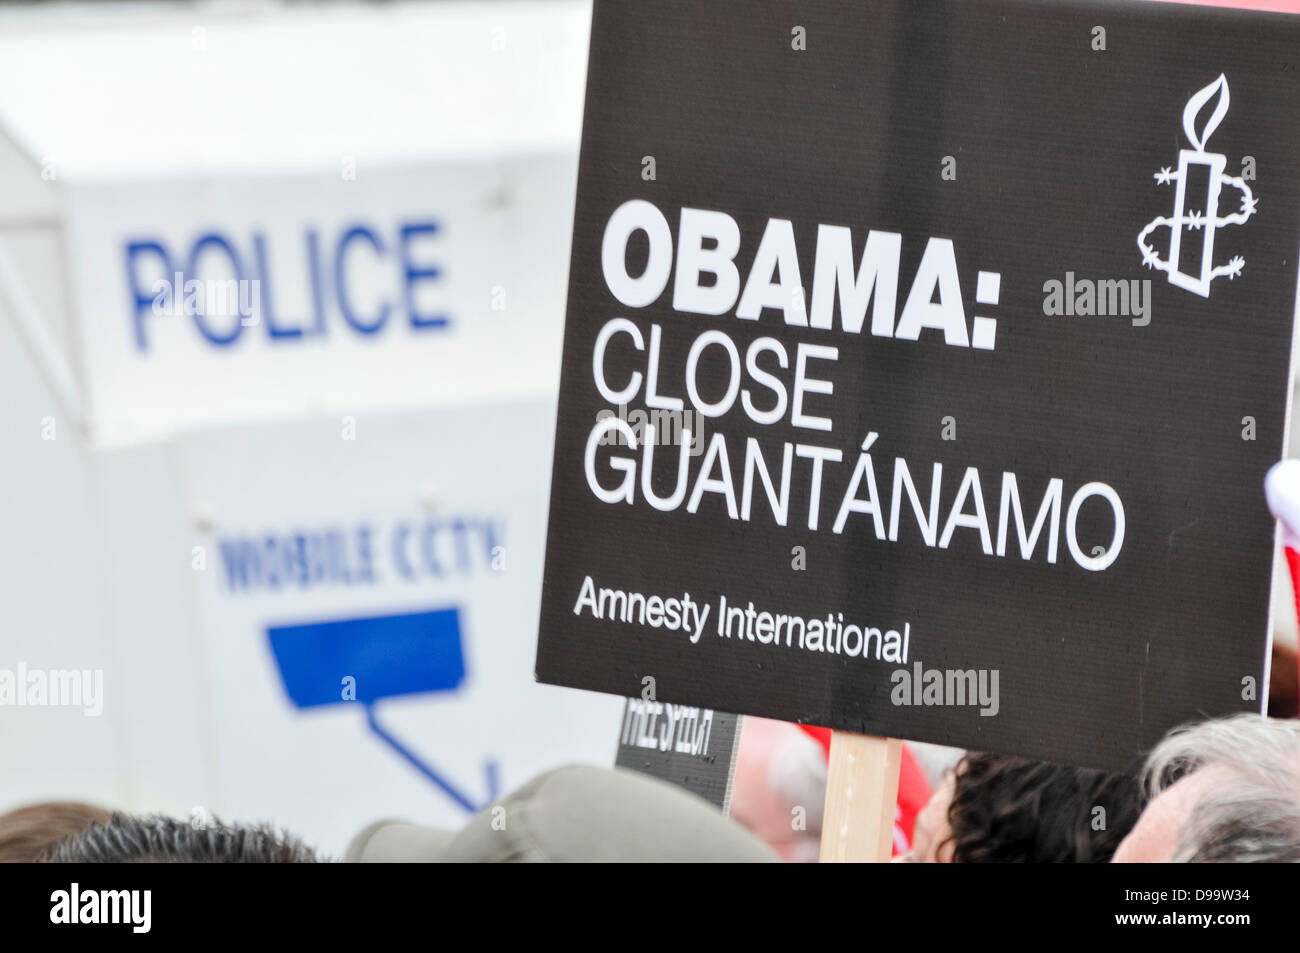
1194, 213
1194, 106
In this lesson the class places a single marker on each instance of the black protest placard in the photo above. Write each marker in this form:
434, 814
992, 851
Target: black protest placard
922, 366
693, 748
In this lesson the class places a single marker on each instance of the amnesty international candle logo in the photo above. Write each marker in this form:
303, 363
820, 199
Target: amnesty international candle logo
1190, 161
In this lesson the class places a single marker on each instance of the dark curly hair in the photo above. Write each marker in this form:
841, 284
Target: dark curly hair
1012, 810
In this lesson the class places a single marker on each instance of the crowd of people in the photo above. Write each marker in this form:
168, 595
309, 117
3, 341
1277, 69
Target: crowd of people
1222, 790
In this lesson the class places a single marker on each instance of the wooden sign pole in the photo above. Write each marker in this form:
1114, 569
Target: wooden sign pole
861, 793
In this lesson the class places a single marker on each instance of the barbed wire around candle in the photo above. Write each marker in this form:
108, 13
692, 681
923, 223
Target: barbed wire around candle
1196, 219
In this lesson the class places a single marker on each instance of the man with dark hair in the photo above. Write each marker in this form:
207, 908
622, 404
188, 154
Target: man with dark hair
130, 838
1002, 809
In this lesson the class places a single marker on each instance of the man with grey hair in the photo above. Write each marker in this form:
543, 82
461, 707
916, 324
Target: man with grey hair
1225, 791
